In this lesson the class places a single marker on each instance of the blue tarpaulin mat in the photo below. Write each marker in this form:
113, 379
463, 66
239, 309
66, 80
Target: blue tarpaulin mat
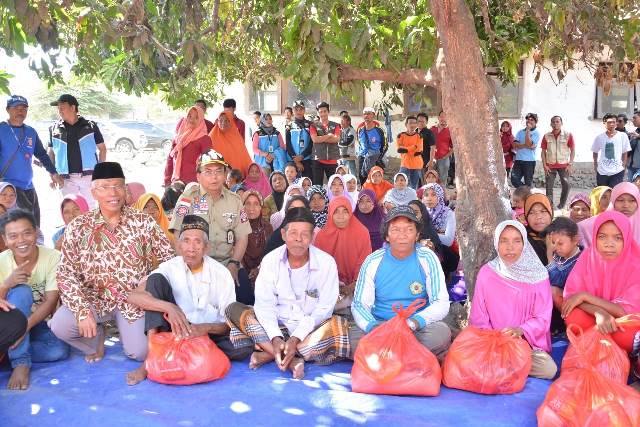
74, 393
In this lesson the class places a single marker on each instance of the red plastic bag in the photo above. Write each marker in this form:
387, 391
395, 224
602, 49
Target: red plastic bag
592, 349
186, 361
487, 362
390, 360
585, 398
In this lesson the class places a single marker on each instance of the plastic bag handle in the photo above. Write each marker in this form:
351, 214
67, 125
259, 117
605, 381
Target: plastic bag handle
580, 349
405, 313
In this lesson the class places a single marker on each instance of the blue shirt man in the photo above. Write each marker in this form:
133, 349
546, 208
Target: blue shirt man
19, 143
526, 143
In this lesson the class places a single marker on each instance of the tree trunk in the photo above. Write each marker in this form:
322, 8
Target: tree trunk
470, 104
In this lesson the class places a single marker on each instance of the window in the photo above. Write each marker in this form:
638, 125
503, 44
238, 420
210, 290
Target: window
346, 103
266, 100
427, 100
508, 98
619, 100
311, 99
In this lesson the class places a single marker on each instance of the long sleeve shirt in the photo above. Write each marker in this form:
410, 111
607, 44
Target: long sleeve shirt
202, 296
410, 149
299, 299
448, 235
385, 280
99, 267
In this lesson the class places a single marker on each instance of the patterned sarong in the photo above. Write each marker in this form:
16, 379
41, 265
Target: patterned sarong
328, 343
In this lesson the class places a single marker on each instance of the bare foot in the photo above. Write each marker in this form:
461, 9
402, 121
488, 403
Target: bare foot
259, 358
137, 375
19, 379
98, 355
297, 368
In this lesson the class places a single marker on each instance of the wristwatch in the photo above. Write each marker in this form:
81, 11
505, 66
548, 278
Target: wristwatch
234, 261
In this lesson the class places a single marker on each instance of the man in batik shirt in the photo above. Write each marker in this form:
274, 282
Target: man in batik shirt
105, 254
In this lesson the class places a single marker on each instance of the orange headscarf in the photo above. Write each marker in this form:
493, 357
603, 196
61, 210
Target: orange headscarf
381, 188
349, 246
186, 135
162, 220
230, 144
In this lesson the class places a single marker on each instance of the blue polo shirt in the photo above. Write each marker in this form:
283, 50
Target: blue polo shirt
527, 154
19, 171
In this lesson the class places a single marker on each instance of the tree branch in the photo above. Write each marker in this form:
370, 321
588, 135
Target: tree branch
215, 19
409, 76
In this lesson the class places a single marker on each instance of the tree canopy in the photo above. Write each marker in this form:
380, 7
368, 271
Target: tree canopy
192, 48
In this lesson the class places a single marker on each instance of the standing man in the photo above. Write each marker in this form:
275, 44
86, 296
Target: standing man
229, 106
444, 146
298, 140
558, 151
288, 117
610, 153
105, 254
428, 142
72, 147
372, 143
410, 149
634, 157
325, 135
223, 210
19, 143
525, 143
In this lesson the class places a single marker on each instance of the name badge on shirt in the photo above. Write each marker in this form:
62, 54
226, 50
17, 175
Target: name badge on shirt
271, 149
229, 216
231, 237
416, 288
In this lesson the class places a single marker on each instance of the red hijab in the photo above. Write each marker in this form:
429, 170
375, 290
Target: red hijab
185, 135
507, 138
349, 246
617, 280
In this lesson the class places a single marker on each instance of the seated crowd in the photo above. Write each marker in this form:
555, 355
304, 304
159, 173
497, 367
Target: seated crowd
274, 266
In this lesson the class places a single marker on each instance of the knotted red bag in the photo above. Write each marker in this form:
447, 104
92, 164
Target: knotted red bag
185, 361
598, 350
390, 360
487, 361
583, 397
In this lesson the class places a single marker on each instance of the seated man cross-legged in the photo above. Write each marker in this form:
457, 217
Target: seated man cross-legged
193, 291
402, 272
28, 281
296, 291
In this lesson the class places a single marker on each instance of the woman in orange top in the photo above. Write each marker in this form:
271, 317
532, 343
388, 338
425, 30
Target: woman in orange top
227, 141
376, 183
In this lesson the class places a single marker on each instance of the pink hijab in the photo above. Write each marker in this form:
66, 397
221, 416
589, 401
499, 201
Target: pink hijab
586, 226
262, 186
615, 280
78, 200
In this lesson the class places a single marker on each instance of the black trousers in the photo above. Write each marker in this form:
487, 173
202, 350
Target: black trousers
320, 170
308, 169
28, 200
610, 180
159, 287
13, 325
522, 169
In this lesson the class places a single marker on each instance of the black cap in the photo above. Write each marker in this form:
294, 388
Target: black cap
194, 222
229, 103
299, 103
323, 104
107, 170
404, 211
298, 215
69, 99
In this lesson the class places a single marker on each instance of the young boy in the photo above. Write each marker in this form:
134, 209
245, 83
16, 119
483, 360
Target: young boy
410, 149
563, 243
234, 177
518, 196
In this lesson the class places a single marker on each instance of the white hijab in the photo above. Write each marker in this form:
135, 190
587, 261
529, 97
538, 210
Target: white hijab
528, 268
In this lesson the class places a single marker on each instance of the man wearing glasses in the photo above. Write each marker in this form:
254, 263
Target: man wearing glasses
525, 143
610, 153
105, 254
229, 226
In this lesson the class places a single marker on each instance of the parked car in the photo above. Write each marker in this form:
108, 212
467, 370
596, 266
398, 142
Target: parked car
116, 139
157, 137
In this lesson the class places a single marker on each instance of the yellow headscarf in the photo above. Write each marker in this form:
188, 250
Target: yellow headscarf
595, 196
162, 219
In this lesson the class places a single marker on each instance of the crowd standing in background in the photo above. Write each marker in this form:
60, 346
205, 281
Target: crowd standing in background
296, 250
